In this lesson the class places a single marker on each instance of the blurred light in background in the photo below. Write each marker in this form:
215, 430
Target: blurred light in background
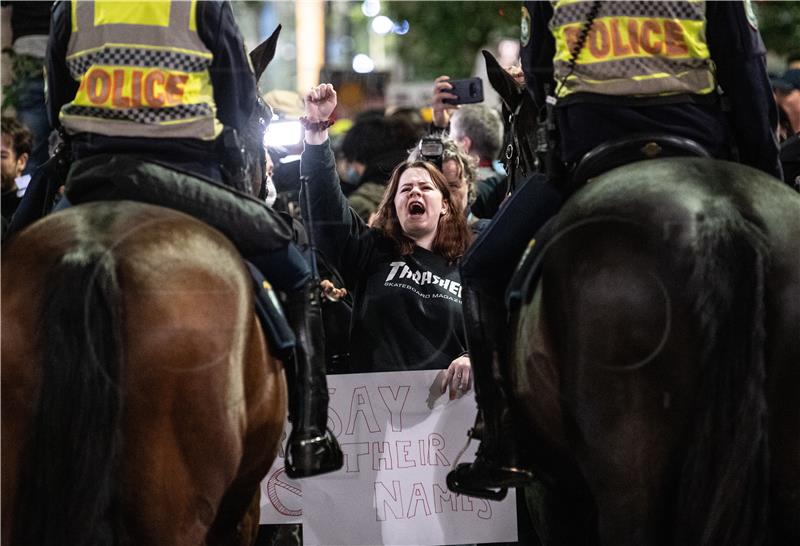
382, 25
401, 27
283, 133
309, 42
363, 64
371, 8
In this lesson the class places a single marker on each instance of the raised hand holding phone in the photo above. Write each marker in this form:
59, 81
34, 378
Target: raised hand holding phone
468, 91
442, 92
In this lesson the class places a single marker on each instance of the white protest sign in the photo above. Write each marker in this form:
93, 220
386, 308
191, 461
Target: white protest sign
400, 438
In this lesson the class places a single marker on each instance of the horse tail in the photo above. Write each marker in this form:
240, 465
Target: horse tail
724, 487
67, 487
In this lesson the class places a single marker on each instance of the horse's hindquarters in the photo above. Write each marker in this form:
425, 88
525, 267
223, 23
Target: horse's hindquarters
606, 375
202, 403
661, 342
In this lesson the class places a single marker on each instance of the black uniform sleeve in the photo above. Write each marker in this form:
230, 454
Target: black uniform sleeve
61, 88
339, 233
739, 54
536, 56
235, 89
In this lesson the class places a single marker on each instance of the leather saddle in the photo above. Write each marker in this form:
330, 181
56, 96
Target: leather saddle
630, 149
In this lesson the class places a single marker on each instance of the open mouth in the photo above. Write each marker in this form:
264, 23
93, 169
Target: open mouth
416, 208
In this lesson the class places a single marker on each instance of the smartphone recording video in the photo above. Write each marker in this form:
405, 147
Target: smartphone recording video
469, 91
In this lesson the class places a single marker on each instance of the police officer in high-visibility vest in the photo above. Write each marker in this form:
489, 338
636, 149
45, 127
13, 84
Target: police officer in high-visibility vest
612, 69
166, 91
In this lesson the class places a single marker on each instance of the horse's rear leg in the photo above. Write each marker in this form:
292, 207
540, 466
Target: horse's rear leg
560, 504
186, 405
239, 512
626, 364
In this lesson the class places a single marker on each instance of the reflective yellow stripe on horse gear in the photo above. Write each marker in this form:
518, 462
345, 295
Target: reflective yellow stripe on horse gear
143, 71
633, 48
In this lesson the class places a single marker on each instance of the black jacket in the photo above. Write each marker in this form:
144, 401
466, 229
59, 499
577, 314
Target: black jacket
406, 309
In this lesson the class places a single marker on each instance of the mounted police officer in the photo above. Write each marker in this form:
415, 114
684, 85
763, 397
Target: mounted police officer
599, 72
155, 99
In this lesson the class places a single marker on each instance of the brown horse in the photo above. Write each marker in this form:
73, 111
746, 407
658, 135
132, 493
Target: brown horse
140, 404
657, 362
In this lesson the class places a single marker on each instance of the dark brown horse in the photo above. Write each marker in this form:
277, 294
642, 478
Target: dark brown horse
140, 404
657, 361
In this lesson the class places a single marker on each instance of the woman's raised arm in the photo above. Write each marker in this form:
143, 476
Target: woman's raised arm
337, 229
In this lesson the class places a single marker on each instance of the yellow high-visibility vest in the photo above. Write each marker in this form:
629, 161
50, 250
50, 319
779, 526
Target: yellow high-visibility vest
633, 48
143, 71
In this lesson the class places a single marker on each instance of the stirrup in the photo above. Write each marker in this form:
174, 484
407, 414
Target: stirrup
486, 480
313, 456
455, 485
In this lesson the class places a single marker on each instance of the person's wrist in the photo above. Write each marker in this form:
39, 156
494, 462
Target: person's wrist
315, 137
311, 124
315, 131
440, 119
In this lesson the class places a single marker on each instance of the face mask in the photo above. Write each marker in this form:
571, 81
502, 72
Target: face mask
351, 176
272, 192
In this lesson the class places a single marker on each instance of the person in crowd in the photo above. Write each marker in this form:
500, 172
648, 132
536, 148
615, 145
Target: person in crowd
478, 131
17, 142
476, 128
30, 24
790, 160
411, 116
793, 60
602, 93
403, 271
787, 94
373, 147
166, 92
459, 169
779, 89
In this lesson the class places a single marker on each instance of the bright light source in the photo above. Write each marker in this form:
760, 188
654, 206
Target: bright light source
371, 8
291, 158
363, 64
401, 27
283, 133
382, 25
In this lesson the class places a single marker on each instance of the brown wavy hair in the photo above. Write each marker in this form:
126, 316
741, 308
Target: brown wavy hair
453, 236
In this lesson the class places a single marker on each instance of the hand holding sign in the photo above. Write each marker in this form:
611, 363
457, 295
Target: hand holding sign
458, 377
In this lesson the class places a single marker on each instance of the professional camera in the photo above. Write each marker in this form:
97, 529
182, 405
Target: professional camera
431, 149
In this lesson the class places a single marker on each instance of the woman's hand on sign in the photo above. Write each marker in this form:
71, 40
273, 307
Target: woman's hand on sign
458, 377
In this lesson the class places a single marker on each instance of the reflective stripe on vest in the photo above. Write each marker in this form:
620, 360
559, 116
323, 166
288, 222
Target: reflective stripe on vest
143, 71
633, 48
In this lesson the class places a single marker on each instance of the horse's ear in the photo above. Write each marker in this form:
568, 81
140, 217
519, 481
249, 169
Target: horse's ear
501, 81
263, 54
